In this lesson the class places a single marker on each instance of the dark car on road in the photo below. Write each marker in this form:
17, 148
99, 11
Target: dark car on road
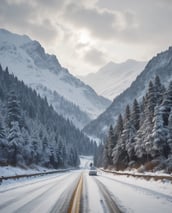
93, 171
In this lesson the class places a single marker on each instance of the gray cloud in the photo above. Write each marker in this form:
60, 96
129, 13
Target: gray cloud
95, 57
100, 23
44, 30
52, 4
17, 14
113, 26
25, 18
168, 2
146, 21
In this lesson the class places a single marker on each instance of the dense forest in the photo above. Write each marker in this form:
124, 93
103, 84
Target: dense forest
142, 136
32, 133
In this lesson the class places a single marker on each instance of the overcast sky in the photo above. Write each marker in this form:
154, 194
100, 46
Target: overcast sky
87, 34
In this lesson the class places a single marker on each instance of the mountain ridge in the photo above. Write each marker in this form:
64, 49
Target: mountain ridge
30, 63
113, 78
160, 65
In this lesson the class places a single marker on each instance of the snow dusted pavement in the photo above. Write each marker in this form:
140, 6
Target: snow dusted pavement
46, 194
104, 193
138, 195
108, 193
97, 198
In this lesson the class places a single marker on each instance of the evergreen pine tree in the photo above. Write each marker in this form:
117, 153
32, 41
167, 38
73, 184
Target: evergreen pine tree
167, 104
120, 155
135, 115
15, 145
27, 152
159, 90
2, 130
169, 137
119, 127
98, 161
3, 144
151, 101
105, 154
35, 148
159, 134
110, 145
13, 109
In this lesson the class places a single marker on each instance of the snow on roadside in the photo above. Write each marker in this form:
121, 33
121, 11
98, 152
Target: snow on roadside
160, 186
85, 161
7, 171
139, 195
135, 171
12, 171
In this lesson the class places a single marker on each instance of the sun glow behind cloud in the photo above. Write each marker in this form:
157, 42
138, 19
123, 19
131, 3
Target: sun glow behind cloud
84, 35
84, 38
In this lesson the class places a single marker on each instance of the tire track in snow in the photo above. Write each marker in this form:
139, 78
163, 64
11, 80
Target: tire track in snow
28, 197
63, 203
108, 204
146, 190
24, 184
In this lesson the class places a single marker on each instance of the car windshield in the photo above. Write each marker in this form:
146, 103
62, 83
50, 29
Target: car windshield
93, 168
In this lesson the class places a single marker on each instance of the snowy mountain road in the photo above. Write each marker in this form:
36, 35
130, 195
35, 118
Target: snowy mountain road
50, 194
107, 198
76, 191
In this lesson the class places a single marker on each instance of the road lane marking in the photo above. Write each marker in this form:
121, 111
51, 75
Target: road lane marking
75, 202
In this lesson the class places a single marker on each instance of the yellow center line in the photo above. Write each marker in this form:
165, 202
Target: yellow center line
76, 197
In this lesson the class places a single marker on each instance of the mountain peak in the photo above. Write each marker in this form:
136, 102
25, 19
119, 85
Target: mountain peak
160, 65
114, 78
15, 44
7, 36
28, 60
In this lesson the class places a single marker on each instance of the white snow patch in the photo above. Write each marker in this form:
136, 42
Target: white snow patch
139, 195
85, 161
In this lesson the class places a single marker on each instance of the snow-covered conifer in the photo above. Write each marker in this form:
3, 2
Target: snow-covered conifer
167, 104
16, 143
159, 134
13, 109
3, 144
151, 101
169, 138
135, 115
159, 90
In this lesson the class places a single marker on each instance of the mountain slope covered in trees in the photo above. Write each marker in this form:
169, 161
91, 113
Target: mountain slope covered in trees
160, 65
27, 60
143, 134
31, 132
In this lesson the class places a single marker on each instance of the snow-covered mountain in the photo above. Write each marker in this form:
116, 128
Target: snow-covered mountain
113, 78
160, 65
27, 60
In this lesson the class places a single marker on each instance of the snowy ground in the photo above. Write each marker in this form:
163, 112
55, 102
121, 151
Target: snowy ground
132, 195
100, 193
139, 195
50, 193
85, 161
7, 171
11, 171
